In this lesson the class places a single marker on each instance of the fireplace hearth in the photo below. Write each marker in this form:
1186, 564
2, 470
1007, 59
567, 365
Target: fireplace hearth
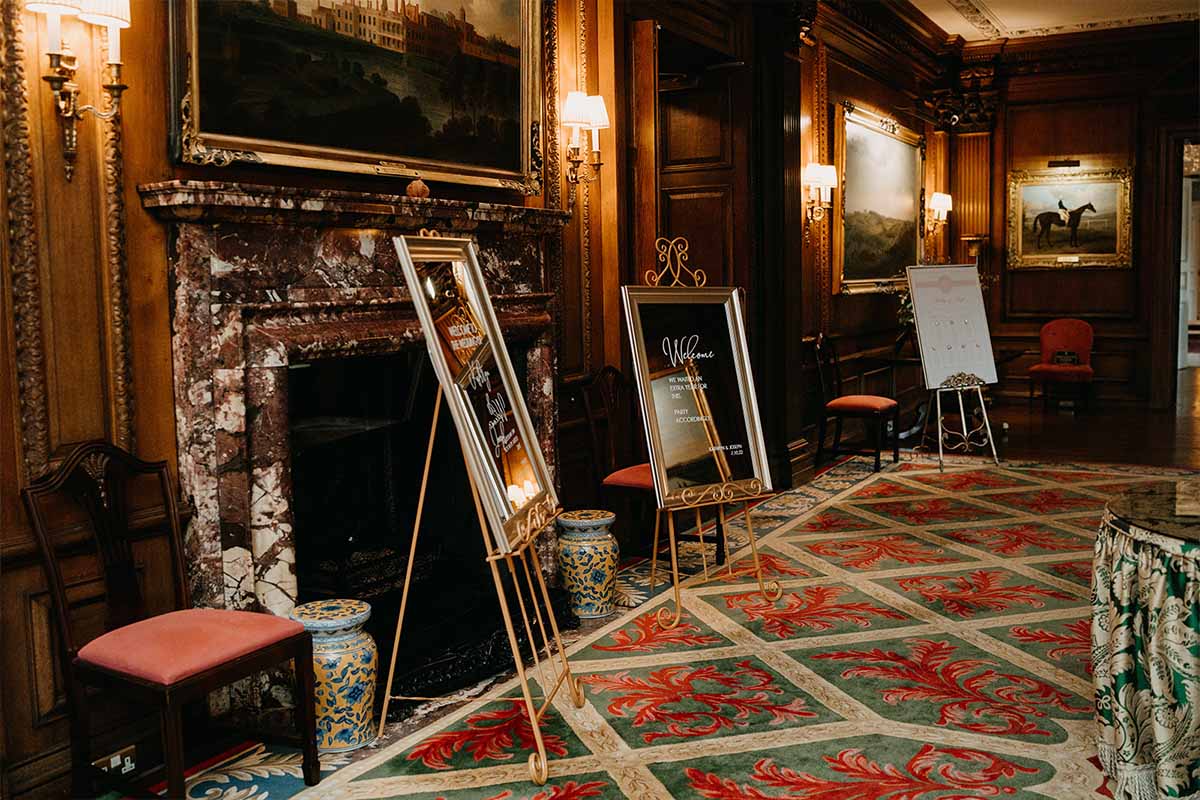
277, 292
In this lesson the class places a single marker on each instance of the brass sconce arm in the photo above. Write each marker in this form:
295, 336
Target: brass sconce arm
61, 79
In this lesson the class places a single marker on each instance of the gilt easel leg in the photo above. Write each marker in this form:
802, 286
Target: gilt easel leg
774, 592
539, 769
987, 425
663, 615
533, 645
573, 683
941, 463
725, 527
700, 536
654, 549
412, 556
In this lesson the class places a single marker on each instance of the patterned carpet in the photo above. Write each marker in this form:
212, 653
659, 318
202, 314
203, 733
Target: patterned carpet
931, 643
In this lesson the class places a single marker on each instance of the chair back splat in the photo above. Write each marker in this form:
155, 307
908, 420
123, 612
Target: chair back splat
606, 408
97, 477
1073, 335
829, 374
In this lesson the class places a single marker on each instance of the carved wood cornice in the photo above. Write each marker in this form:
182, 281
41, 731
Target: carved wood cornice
23, 246
880, 38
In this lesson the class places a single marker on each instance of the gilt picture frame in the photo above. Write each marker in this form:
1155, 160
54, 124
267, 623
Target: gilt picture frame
696, 391
503, 456
1070, 219
879, 210
418, 91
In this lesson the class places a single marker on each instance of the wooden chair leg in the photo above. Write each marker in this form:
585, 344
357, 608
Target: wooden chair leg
896, 435
821, 423
720, 542
172, 735
878, 441
837, 437
306, 711
81, 760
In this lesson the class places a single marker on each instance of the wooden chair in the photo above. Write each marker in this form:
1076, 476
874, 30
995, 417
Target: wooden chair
161, 661
609, 386
1073, 335
855, 406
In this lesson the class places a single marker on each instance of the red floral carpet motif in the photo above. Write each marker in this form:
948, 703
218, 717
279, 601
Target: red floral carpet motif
885, 489
1015, 540
972, 480
647, 636
867, 553
494, 735
1047, 501
932, 771
1077, 641
568, 791
981, 590
940, 509
773, 566
1074, 570
816, 610
984, 702
833, 521
665, 695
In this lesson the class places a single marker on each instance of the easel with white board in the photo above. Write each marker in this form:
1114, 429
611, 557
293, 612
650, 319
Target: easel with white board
955, 347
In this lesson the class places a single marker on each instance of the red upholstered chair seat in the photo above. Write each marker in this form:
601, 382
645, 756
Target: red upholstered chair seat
172, 647
636, 477
861, 404
1064, 373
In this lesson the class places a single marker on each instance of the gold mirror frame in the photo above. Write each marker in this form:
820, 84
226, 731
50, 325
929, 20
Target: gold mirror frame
511, 528
702, 494
846, 112
1016, 256
195, 146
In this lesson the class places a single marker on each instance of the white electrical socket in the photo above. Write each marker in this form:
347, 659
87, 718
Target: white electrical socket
124, 761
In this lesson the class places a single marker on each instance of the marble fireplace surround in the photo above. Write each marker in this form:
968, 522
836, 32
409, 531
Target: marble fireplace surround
266, 276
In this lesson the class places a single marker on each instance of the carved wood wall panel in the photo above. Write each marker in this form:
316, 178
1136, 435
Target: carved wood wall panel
971, 169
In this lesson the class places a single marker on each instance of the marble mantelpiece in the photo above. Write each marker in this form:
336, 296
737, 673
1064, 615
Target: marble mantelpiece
263, 277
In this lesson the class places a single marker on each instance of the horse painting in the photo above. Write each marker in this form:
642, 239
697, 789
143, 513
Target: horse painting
1043, 222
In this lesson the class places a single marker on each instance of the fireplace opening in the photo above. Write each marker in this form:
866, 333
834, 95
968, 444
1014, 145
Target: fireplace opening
359, 430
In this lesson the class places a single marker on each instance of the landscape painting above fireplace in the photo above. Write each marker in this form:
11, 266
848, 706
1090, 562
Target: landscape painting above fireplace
441, 88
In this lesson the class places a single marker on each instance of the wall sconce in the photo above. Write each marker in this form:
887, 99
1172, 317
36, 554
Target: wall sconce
111, 14
940, 205
821, 180
582, 112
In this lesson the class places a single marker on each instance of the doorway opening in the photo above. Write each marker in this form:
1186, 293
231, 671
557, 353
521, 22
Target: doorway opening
1189, 262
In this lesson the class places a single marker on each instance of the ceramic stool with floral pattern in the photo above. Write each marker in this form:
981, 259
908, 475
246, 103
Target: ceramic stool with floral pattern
345, 664
587, 560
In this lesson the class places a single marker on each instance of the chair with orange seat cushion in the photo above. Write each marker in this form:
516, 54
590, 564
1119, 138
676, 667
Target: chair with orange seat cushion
1064, 335
157, 660
609, 386
875, 410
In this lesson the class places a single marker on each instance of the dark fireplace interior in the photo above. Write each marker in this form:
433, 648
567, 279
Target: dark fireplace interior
359, 430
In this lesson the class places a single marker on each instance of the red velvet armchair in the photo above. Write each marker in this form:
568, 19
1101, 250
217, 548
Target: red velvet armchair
1069, 335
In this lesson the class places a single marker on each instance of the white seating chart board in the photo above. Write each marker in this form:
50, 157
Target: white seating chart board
952, 327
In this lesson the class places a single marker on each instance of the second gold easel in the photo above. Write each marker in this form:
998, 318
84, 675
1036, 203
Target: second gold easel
673, 256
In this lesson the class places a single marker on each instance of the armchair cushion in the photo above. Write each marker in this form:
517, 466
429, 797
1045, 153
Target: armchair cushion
172, 647
861, 404
635, 477
1062, 373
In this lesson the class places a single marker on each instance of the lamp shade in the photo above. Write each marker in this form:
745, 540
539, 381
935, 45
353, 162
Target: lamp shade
940, 201
576, 111
106, 13
597, 113
62, 7
820, 175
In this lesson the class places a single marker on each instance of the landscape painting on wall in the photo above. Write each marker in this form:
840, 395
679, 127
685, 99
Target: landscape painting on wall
443, 88
1069, 219
881, 165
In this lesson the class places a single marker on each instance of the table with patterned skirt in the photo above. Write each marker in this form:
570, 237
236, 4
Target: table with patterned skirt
1146, 640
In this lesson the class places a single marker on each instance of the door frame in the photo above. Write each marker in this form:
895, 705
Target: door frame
1163, 260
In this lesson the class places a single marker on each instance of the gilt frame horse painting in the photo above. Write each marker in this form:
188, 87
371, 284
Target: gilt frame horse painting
1075, 219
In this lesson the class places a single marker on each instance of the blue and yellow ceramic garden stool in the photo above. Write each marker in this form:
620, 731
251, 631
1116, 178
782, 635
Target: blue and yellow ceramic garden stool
587, 558
345, 663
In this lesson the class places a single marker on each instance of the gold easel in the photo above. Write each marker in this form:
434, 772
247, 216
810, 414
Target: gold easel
673, 256
520, 554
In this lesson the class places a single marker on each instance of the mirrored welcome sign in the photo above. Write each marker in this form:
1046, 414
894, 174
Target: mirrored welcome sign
502, 453
697, 394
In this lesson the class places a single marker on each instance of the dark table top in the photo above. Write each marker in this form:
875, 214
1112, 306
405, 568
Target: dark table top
1169, 508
